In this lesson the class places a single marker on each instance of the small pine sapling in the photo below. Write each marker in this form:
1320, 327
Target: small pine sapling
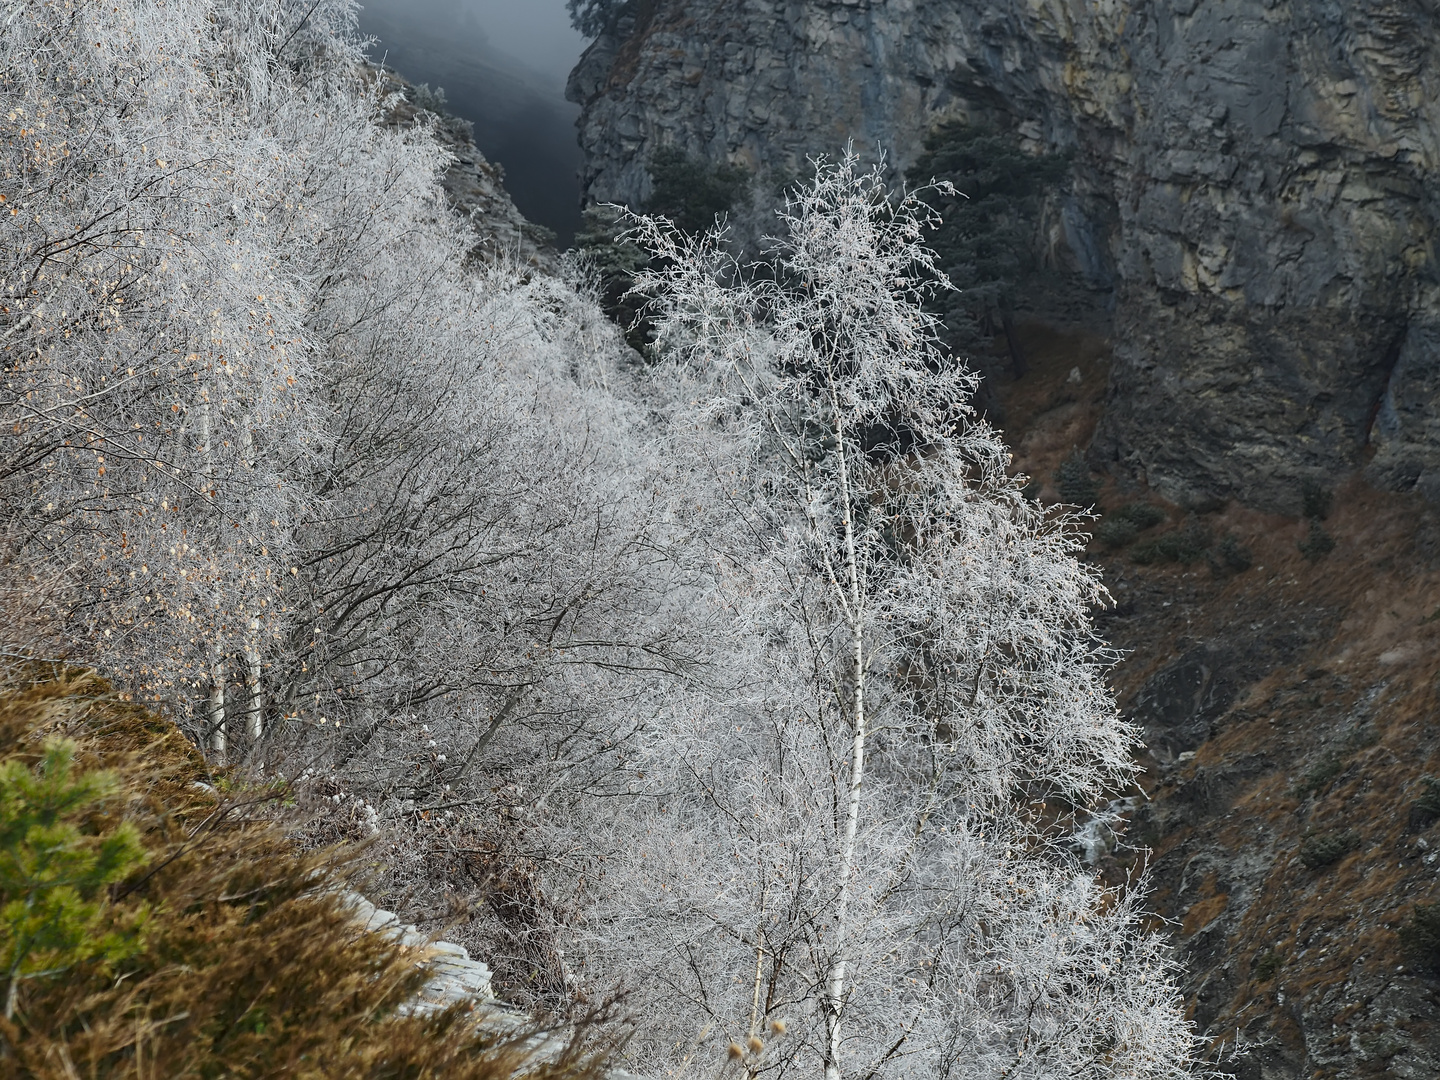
1074, 482
54, 869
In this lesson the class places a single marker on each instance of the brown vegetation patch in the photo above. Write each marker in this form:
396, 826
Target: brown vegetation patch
1331, 730
251, 965
1047, 413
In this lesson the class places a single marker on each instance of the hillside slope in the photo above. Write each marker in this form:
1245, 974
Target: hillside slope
1286, 706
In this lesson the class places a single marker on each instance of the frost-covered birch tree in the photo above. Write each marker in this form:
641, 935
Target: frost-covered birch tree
278, 454
838, 857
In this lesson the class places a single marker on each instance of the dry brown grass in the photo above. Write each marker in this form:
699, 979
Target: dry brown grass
252, 967
1046, 415
1368, 615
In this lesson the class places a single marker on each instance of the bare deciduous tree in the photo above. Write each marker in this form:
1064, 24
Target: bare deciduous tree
276, 454
849, 841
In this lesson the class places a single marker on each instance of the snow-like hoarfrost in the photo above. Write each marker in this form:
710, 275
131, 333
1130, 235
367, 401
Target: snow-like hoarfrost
737, 681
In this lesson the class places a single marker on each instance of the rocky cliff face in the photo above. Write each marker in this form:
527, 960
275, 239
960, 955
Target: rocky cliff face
475, 186
1254, 187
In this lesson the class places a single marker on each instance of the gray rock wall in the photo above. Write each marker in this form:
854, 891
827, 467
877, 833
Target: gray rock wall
1255, 179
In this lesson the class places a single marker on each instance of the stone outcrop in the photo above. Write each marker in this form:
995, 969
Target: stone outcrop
1254, 190
474, 185
452, 976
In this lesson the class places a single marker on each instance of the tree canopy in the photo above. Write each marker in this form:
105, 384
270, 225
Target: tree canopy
592, 17
985, 233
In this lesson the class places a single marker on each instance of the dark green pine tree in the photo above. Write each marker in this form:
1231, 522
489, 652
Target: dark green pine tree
690, 191
614, 262
986, 239
592, 17
55, 870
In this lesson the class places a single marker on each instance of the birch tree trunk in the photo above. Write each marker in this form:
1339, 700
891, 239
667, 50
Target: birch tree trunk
219, 743
855, 608
219, 740
255, 707
890, 577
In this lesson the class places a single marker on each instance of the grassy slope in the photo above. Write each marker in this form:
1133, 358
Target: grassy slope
252, 966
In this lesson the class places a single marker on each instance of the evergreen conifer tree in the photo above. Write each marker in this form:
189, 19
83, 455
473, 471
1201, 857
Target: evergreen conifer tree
985, 235
54, 870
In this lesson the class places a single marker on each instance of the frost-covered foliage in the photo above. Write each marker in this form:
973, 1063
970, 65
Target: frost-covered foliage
737, 683
275, 453
282, 460
837, 864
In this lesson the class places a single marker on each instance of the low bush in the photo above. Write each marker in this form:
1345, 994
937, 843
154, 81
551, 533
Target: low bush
198, 941
1318, 777
56, 872
1116, 532
1231, 556
1318, 850
1184, 545
1125, 523
1142, 515
1420, 937
430, 100
1362, 737
1073, 481
1317, 543
1268, 966
1425, 810
1316, 501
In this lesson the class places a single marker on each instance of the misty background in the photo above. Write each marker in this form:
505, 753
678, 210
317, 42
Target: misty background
503, 66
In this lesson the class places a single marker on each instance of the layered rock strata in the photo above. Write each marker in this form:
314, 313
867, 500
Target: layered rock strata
1254, 189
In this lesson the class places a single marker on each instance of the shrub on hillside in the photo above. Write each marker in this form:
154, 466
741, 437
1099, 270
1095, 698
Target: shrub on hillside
249, 963
1268, 966
1316, 501
55, 871
1317, 543
1184, 545
1318, 776
1124, 524
1425, 810
1231, 557
1319, 850
1420, 937
1116, 532
1073, 481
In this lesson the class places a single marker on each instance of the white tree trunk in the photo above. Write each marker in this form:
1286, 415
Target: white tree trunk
218, 741
836, 989
255, 707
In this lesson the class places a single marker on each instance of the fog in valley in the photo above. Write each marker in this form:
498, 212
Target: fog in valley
503, 65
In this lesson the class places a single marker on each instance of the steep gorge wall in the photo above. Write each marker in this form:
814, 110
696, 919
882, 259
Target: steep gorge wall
1254, 184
